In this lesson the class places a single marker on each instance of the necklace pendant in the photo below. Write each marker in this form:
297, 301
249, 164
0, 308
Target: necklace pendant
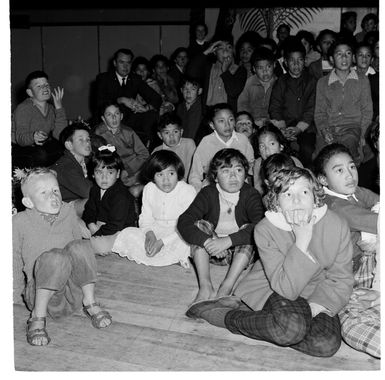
229, 210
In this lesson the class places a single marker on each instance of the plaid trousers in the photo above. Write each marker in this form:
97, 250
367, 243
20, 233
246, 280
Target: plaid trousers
245, 249
288, 323
361, 327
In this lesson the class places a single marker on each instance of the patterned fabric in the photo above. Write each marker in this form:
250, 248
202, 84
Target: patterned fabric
247, 250
363, 277
360, 327
288, 323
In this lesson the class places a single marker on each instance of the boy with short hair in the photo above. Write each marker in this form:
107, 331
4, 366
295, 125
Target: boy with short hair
255, 97
37, 123
60, 273
190, 110
71, 168
337, 172
344, 108
127, 143
292, 102
222, 122
170, 131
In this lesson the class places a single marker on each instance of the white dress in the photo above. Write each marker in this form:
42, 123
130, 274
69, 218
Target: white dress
160, 213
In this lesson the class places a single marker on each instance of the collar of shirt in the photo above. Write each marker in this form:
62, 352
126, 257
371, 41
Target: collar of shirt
113, 131
233, 137
168, 147
120, 78
335, 78
200, 42
338, 195
369, 71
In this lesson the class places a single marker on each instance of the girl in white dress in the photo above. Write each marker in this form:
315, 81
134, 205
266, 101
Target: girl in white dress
157, 242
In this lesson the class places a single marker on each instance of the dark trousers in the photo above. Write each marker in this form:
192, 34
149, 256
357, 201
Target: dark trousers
65, 271
288, 323
36, 155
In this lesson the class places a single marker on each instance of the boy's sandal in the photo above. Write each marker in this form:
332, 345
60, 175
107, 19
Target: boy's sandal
97, 318
37, 333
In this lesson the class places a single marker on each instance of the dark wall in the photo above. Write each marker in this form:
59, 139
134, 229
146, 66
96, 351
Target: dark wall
74, 49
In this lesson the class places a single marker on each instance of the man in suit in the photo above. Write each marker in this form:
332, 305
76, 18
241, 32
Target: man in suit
122, 86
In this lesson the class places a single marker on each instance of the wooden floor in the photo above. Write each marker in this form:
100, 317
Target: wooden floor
151, 333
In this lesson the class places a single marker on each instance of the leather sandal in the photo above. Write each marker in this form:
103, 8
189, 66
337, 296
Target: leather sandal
37, 333
98, 317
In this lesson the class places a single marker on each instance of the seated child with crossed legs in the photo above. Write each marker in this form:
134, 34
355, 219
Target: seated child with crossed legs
60, 271
220, 221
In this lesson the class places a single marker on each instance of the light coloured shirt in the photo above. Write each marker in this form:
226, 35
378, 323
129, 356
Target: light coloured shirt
160, 208
206, 150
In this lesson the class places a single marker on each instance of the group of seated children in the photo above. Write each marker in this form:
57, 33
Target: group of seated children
299, 236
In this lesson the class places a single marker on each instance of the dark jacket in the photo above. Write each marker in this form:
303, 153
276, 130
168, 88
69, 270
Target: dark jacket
73, 185
249, 210
116, 209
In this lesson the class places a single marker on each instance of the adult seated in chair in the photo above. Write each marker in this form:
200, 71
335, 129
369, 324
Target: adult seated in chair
122, 86
71, 169
36, 124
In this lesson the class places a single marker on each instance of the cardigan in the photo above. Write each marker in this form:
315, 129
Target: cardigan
27, 119
116, 208
73, 185
128, 145
324, 278
248, 210
32, 235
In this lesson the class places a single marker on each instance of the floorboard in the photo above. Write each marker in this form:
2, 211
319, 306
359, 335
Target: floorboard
151, 333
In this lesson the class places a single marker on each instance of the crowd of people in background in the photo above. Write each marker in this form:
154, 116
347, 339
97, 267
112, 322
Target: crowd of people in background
256, 154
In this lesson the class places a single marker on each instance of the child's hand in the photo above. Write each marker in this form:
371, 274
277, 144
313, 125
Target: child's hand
280, 124
57, 96
216, 247
302, 224
291, 133
149, 240
213, 47
39, 137
155, 248
92, 227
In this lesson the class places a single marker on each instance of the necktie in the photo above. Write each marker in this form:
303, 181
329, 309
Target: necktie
123, 82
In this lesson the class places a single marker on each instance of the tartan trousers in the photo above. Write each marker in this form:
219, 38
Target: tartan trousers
288, 323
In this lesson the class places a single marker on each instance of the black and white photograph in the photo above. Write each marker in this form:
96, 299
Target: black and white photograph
191, 188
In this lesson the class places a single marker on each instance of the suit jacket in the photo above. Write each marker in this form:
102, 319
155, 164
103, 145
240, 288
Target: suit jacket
108, 89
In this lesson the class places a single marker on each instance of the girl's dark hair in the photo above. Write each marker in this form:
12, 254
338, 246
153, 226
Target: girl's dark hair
106, 158
213, 110
307, 36
284, 179
274, 164
140, 61
224, 158
252, 37
177, 51
321, 35
272, 129
159, 57
326, 154
368, 17
159, 161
